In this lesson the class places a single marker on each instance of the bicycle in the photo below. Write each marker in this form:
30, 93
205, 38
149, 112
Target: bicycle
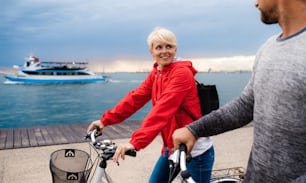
105, 151
177, 164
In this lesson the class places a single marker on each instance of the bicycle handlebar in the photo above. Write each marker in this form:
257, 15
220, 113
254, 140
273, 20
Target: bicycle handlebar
107, 146
183, 151
178, 157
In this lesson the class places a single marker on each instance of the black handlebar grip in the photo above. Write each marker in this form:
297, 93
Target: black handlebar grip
131, 152
98, 133
183, 147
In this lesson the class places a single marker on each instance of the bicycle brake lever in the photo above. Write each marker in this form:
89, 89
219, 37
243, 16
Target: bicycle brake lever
175, 157
87, 136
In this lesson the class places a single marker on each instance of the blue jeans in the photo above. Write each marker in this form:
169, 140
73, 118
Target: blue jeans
199, 167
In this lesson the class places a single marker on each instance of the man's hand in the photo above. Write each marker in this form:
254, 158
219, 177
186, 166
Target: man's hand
183, 136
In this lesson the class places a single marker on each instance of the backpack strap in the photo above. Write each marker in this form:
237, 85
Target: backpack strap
187, 111
192, 117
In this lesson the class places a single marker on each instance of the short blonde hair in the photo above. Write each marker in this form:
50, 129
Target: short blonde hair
161, 34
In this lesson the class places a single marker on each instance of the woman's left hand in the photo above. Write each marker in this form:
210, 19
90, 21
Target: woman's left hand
120, 151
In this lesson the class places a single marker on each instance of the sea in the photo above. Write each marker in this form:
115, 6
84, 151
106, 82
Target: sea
26, 105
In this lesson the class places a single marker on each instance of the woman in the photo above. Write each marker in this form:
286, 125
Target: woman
173, 92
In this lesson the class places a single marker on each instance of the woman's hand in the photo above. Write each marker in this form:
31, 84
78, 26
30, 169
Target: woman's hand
120, 151
96, 124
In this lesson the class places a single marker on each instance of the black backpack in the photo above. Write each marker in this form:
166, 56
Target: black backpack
208, 96
209, 99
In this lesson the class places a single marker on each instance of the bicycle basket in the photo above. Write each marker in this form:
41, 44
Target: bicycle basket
228, 175
70, 166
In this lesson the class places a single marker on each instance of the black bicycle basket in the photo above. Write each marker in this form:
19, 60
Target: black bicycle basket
70, 166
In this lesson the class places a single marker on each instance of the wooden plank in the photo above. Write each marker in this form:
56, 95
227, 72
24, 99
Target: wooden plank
80, 131
32, 138
56, 135
39, 136
46, 135
17, 138
25, 142
9, 139
70, 135
3, 136
77, 129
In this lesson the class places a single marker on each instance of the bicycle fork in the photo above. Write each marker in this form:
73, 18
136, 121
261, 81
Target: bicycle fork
101, 176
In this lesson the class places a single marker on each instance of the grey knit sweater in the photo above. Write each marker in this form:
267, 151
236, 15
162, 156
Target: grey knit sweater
275, 100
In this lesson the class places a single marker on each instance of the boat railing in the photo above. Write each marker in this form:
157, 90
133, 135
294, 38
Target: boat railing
64, 64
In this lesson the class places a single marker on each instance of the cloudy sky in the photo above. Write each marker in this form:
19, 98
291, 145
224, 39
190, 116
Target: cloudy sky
104, 31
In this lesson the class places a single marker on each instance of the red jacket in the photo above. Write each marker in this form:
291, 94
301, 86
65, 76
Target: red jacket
170, 90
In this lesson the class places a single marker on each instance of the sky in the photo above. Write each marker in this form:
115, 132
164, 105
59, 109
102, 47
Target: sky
110, 34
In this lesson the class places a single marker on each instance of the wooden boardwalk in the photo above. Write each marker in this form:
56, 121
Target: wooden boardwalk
12, 138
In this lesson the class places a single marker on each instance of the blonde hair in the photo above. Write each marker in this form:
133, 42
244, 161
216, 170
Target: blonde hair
161, 34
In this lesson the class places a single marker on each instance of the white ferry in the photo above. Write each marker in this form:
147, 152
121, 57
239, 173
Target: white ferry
35, 71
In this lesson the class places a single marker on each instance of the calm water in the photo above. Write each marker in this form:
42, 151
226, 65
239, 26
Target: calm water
37, 105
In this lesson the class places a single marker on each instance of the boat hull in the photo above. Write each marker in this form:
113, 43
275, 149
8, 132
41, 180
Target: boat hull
55, 79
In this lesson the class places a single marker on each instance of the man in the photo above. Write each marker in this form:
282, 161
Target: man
274, 99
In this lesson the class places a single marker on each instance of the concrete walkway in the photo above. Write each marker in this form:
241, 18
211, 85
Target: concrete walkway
31, 165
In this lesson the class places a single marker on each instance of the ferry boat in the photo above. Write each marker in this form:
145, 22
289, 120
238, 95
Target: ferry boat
35, 71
